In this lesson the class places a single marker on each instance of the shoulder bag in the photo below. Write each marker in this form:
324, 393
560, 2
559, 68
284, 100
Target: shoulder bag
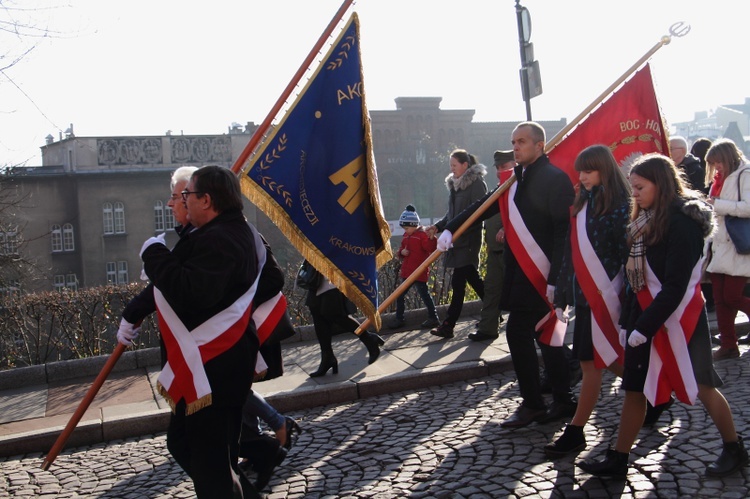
739, 227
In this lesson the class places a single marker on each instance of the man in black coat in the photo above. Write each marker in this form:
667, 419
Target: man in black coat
203, 290
543, 196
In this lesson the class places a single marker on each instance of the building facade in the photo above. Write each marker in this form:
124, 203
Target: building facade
85, 212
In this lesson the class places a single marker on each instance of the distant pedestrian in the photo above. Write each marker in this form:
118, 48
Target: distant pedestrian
465, 185
490, 316
416, 247
728, 270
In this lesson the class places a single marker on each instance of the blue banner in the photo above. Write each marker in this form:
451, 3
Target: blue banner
314, 175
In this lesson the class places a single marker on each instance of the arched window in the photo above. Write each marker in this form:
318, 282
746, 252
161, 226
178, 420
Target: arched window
169, 217
68, 241
119, 218
56, 235
158, 216
108, 214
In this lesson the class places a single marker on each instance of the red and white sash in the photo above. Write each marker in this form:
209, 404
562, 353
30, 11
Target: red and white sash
267, 315
602, 294
533, 262
184, 375
670, 368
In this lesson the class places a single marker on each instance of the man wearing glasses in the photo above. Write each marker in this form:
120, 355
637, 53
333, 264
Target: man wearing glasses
203, 290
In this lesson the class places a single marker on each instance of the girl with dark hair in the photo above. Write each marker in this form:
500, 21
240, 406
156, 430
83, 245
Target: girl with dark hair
591, 279
663, 317
465, 185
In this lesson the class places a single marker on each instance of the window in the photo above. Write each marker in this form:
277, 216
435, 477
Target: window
169, 216
122, 273
117, 272
10, 289
158, 216
109, 224
56, 239
63, 281
59, 282
67, 238
119, 218
114, 218
71, 282
8, 242
111, 273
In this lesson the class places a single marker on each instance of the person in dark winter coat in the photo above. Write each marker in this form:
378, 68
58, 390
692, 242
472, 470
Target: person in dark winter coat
416, 247
203, 290
663, 317
542, 197
332, 314
596, 249
687, 163
465, 185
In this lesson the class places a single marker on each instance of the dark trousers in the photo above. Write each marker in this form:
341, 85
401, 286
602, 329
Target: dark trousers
521, 337
461, 276
424, 293
330, 313
206, 445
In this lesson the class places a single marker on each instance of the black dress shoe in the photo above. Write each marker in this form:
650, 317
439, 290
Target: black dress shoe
265, 471
523, 416
614, 465
558, 410
477, 336
654, 412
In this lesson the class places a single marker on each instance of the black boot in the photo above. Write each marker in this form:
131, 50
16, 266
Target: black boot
614, 465
373, 342
571, 441
733, 457
654, 412
327, 361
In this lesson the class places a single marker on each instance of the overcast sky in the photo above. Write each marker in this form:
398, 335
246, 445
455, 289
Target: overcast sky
143, 67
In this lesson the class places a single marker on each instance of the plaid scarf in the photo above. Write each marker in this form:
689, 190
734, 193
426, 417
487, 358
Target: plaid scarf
635, 267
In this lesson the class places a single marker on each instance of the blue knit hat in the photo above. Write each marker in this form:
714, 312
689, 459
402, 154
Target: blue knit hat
409, 217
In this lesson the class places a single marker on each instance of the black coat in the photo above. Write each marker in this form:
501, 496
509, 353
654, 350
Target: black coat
543, 197
208, 270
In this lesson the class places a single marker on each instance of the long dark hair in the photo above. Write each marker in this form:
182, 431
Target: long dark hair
670, 186
615, 188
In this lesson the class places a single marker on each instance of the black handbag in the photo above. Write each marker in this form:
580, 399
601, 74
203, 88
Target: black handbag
739, 227
307, 277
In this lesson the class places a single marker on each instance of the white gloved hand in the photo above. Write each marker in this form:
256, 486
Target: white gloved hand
623, 337
562, 315
636, 339
445, 241
153, 240
127, 333
550, 293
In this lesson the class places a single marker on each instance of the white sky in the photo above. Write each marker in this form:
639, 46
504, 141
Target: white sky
143, 67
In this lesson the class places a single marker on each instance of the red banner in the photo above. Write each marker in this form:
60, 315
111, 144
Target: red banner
629, 122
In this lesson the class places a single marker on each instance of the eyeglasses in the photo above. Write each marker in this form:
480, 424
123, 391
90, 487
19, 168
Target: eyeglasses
186, 193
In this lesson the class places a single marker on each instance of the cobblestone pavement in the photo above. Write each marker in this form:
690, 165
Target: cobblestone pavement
445, 441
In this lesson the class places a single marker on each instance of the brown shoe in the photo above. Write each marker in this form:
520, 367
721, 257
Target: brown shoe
724, 353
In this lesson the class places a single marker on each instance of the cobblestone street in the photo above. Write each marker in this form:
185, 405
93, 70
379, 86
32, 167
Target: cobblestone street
445, 441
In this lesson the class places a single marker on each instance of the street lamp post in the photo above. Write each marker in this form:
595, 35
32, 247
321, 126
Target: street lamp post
531, 83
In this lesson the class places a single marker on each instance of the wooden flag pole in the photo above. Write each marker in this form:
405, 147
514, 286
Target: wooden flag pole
677, 29
83, 406
263, 128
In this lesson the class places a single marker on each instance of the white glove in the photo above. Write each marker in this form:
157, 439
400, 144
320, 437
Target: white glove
636, 339
445, 241
562, 315
127, 333
153, 240
550, 293
623, 337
